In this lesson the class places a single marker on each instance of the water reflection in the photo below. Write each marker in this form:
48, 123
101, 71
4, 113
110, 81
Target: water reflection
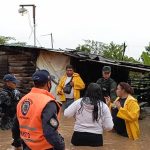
112, 141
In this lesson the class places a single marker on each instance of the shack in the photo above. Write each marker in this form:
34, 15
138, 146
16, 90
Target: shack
23, 61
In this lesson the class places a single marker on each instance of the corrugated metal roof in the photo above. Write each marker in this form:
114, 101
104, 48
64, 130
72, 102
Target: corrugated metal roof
83, 56
100, 59
29, 47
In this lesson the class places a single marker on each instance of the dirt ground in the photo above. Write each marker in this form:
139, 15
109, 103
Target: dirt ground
112, 141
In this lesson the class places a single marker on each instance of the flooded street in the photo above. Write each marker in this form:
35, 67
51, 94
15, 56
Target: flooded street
112, 141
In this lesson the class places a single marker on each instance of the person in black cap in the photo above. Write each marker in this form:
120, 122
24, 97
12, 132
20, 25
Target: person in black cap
9, 97
36, 124
107, 84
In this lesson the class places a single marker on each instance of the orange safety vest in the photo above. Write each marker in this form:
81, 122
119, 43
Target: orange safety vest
29, 112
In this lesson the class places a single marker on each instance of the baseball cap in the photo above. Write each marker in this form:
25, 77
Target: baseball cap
10, 77
106, 69
41, 76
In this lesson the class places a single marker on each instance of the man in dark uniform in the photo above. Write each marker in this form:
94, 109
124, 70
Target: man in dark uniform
36, 124
9, 97
107, 84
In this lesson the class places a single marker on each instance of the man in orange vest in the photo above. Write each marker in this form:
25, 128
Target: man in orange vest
37, 121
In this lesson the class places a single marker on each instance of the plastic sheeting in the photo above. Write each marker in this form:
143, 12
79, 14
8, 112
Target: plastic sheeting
55, 63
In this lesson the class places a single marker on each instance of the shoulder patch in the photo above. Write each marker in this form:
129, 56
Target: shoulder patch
25, 107
53, 122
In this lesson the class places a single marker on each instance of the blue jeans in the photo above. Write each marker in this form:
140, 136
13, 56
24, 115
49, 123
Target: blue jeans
67, 103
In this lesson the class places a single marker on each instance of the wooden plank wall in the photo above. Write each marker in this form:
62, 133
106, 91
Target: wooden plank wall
20, 63
3, 67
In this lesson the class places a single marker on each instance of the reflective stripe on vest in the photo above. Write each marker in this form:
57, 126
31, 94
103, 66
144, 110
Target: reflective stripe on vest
29, 112
30, 140
27, 127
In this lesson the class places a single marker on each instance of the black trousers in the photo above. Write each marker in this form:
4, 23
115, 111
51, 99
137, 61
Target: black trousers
87, 139
67, 103
25, 147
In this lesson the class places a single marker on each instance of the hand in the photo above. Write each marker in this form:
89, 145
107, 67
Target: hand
60, 103
118, 105
72, 83
60, 92
107, 100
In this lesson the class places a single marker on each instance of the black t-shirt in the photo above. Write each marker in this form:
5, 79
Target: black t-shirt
119, 124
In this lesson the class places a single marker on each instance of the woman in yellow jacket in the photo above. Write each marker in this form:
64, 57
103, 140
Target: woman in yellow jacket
125, 112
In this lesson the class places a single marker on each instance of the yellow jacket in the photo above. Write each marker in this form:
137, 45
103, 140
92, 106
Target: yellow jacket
130, 113
78, 85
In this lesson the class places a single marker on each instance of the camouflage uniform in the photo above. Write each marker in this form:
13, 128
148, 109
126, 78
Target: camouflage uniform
8, 102
108, 88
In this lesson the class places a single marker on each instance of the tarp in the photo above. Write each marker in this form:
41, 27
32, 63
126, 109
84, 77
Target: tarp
55, 63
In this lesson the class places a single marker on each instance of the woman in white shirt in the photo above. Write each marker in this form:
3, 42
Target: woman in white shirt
92, 116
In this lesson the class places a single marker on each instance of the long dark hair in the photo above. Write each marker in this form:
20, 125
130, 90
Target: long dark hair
126, 87
94, 94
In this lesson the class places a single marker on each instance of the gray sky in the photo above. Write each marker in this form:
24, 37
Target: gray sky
72, 21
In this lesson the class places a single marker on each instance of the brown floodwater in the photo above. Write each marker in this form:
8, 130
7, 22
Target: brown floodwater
112, 141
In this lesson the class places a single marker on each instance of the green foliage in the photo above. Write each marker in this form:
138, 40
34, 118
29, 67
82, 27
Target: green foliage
130, 59
91, 46
5, 40
112, 51
83, 49
18, 44
8, 40
135, 75
146, 56
147, 48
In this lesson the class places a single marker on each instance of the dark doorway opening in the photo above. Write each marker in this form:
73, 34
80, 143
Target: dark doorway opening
91, 71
